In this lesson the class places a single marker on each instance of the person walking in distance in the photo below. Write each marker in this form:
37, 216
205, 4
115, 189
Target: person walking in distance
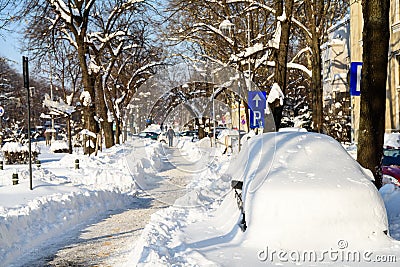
170, 136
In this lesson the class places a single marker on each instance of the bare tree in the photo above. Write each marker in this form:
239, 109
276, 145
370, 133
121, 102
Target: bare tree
260, 38
315, 18
373, 85
283, 15
7, 13
99, 32
67, 73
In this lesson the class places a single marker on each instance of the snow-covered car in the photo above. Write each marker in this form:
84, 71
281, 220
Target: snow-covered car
151, 135
391, 166
304, 191
193, 135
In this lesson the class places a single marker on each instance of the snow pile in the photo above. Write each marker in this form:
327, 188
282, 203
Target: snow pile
160, 243
62, 198
58, 106
15, 147
145, 161
153, 128
391, 196
190, 150
85, 98
392, 140
59, 146
44, 218
276, 94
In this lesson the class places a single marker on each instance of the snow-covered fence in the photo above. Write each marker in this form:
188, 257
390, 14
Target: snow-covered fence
16, 153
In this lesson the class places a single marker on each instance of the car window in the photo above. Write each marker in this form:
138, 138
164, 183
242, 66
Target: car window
391, 157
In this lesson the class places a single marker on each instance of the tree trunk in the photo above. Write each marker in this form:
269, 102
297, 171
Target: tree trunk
108, 133
102, 111
316, 84
282, 54
373, 85
117, 131
69, 134
88, 85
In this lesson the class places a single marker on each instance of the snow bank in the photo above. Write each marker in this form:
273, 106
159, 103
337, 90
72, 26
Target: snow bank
161, 241
16, 147
59, 146
144, 161
153, 128
392, 140
44, 218
391, 196
63, 198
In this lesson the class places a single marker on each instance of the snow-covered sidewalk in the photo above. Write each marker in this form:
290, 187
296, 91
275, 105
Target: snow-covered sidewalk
65, 200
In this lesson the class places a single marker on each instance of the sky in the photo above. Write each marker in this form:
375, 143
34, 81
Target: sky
10, 46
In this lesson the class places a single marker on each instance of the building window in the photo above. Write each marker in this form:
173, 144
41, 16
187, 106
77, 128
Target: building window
396, 17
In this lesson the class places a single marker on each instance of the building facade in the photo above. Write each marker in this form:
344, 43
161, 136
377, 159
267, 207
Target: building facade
392, 116
335, 65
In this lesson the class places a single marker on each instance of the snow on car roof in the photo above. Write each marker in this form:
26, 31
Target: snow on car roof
392, 140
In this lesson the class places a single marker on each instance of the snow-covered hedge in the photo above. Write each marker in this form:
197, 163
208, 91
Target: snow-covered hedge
59, 147
17, 153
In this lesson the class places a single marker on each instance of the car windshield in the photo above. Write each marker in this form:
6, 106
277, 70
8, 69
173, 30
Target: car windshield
391, 157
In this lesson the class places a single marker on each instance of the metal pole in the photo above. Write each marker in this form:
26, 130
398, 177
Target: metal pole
26, 85
1, 130
213, 104
53, 135
239, 114
352, 128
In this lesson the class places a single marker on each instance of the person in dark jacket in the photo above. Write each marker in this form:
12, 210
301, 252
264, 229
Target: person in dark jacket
170, 136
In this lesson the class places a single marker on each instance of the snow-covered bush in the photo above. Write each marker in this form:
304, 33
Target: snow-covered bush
59, 147
17, 153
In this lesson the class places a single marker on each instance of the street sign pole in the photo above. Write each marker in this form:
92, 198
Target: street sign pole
355, 86
26, 85
1, 125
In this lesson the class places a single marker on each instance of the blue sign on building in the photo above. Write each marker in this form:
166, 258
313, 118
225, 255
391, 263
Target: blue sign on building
257, 105
355, 78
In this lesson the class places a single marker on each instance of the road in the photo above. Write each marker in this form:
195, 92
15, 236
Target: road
109, 239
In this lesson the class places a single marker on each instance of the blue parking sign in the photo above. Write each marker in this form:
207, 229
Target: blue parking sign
257, 105
355, 78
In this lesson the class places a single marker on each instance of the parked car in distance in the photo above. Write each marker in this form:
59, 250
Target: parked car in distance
151, 135
391, 166
193, 134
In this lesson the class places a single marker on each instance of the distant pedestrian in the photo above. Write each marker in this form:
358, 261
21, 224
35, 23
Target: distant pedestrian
170, 136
